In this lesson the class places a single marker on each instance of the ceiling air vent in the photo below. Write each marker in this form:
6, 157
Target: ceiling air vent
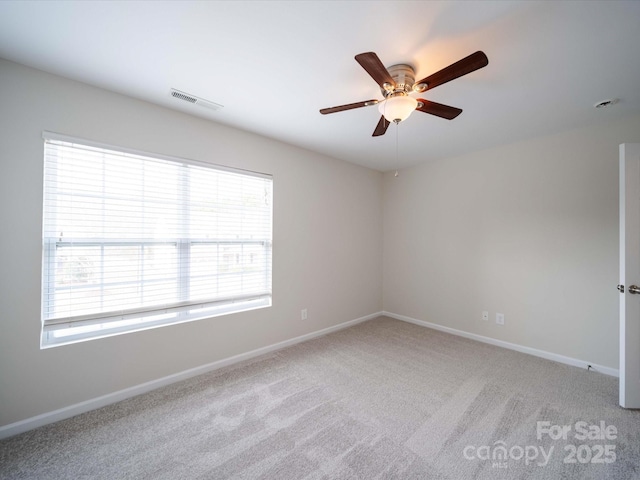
187, 97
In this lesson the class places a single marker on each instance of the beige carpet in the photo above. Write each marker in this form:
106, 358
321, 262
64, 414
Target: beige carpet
384, 399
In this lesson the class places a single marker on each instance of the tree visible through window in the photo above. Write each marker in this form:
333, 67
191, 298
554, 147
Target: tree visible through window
133, 241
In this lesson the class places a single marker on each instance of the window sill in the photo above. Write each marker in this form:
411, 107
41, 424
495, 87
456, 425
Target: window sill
73, 333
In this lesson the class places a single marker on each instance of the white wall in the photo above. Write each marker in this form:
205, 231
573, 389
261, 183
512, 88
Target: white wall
326, 258
528, 229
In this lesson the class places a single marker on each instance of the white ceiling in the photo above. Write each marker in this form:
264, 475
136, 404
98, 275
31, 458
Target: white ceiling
274, 64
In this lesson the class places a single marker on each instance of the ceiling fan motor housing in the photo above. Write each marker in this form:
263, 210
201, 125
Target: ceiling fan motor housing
404, 75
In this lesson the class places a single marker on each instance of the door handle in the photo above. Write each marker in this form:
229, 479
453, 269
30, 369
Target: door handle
634, 289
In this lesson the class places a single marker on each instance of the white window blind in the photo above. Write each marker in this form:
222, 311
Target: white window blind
132, 241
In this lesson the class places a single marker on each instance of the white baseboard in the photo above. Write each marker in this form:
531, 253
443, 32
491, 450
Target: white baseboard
82, 407
511, 346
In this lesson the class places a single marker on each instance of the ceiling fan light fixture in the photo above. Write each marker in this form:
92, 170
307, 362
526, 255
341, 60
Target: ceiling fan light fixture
398, 108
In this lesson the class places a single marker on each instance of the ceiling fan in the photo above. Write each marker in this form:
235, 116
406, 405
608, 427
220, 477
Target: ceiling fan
398, 82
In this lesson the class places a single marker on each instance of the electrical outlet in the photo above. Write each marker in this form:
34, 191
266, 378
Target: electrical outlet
500, 318
303, 314
485, 316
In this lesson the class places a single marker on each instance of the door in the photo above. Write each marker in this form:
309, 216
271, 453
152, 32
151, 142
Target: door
629, 275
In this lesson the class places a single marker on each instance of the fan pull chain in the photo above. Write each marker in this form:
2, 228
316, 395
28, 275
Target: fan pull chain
397, 157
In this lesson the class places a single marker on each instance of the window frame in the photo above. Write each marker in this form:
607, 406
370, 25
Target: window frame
104, 324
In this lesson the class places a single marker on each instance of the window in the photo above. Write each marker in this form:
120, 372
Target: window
132, 241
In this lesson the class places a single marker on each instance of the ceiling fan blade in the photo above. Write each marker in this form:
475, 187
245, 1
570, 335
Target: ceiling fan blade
381, 128
374, 67
468, 64
438, 109
349, 106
